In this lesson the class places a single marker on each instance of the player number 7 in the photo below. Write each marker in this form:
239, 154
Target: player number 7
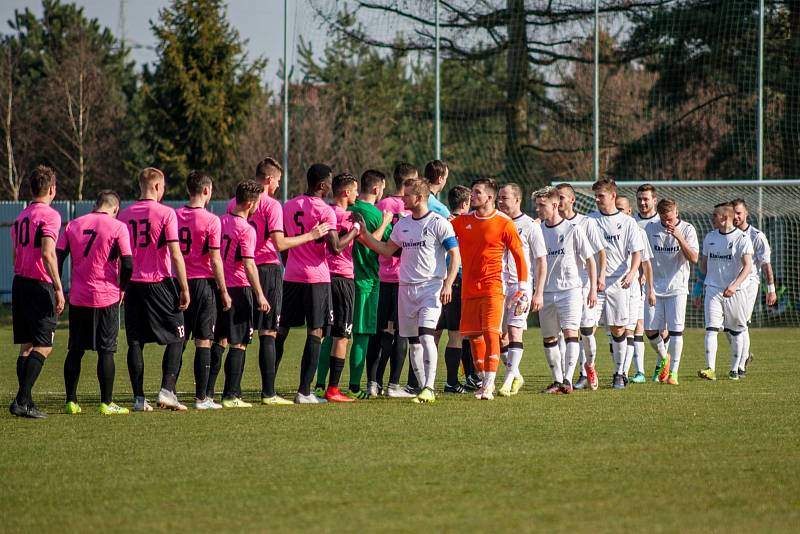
93, 236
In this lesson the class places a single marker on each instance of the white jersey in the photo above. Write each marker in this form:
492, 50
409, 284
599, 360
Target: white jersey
425, 242
567, 247
725, 253
671, 269
761, 252
530, 233
644, 221
595, 238
647, 255
623, 237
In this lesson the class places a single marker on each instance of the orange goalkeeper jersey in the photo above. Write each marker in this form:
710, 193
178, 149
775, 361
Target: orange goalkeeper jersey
482, 242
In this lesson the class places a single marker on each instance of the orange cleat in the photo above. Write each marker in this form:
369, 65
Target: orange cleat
664, 374
334, 395
591, 375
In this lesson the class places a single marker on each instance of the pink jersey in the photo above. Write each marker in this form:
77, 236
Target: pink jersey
342, 263
95, 241
151, 226
35, 222
198, 233
237, 243
267, 218
389, 270
307, 263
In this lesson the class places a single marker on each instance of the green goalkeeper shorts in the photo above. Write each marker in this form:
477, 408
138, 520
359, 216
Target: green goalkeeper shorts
365, 312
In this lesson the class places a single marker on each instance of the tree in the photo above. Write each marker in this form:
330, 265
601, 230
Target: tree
197, 99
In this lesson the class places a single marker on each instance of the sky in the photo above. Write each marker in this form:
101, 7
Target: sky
259, 21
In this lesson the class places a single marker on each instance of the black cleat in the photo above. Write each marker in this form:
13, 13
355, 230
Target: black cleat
742, 373
458, 388
17, 409
473, 383
34, 412
618, 382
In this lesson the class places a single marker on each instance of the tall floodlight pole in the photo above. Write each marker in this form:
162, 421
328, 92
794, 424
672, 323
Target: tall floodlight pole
285, 180
596, 96
760, 142
437, 120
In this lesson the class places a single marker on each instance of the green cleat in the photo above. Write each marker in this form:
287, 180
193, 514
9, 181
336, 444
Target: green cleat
733, 375
504, 391
672, 379
112, 409
517, 384
319, 391
235, 402
72, 408
425, 396
639, 378
357, 395
659, 368
707, 374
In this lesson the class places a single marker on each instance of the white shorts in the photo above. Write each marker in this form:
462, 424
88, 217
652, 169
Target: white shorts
561, 311
509, 319
752, 294
590, 317
721, 312
669, 313
615, 305
636, 306
418, 305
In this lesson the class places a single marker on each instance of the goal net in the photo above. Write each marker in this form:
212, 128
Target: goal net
774, 208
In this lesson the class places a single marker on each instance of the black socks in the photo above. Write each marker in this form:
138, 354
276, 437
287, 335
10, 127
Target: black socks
171, 365
308, 365
452, 358
202, 370
136, 368
72, 372
106, 370
234, 367
336, 368
214, 366
266, 363
30, 372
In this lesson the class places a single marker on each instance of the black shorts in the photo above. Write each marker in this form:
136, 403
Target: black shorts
236, 324
451, 312
343, 295
387, 305
307, 304
93, 328
33, 310
201, 315
270, 276
152, 314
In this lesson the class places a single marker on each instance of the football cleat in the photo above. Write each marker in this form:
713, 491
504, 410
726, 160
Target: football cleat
672, 379
733, 375
72, 408
140, 404
299, 398
504, 391
168, 400
566, 387
582, 383
235, 402
394, 391
333, 394
17, 409
618, 381
319, 391
33, 412
473, 383
707, 374
112, 409
552, 389
372, 390
426, 396
742, 373
664, 374
277, 400
591, 376
478, 393
657, 372
488, 392
638, 378
458, 388
517, 384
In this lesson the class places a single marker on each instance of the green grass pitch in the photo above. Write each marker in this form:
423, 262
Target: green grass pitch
703, 456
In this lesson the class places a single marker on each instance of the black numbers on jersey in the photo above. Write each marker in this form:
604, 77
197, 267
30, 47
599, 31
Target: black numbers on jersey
185, 239
92, 236
226, 239
23, 230
141, 232
298, 222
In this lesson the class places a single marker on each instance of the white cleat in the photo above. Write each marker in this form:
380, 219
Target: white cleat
299, 398
140, 404
372, 389
168, 400
395, 391
488, 392
479, 393
206, 404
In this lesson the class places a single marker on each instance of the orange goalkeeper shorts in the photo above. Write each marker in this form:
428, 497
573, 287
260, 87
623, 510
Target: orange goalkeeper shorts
481, 314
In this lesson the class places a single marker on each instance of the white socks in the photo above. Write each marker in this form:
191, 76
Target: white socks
658, 345
515, 349
417, 360
618, 348
638, 353
675, 351
553, 357
589, 349
629, 350
430, 356
571, 358
711, 349
745, 335
737, 348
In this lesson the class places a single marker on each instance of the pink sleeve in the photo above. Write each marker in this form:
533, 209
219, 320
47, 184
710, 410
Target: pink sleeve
124, 241
63, 242
51, 226
231, 205
214, 232
329, 217
171, 226
274, 217
249, 242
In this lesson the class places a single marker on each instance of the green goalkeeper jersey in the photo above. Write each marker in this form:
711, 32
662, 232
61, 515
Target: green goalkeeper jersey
365, 261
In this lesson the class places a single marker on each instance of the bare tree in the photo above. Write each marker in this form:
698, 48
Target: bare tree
8, 70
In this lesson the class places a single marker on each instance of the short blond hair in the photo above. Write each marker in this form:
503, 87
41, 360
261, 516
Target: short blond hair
417, 186
547, 193
148, 176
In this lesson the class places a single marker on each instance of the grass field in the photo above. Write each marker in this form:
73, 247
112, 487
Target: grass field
703, 456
